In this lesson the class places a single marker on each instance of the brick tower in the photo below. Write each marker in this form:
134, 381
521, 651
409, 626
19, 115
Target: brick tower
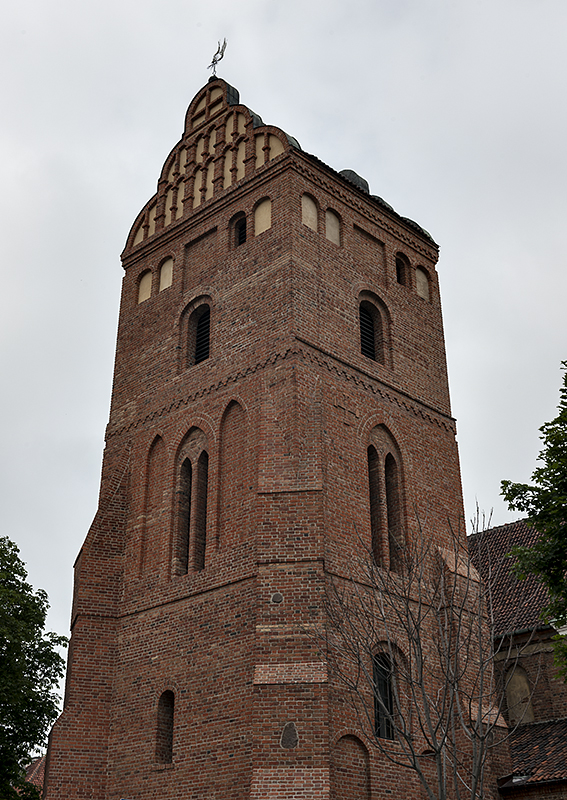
280, 367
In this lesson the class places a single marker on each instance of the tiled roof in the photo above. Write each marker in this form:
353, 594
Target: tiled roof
516, 604
539, 753
35, 772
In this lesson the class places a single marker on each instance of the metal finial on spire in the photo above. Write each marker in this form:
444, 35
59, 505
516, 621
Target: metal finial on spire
217, 57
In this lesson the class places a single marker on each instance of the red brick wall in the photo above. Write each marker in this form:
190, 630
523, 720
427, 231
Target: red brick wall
284, 407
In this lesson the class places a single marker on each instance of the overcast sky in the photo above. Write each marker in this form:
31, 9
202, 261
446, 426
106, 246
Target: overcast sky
453, 110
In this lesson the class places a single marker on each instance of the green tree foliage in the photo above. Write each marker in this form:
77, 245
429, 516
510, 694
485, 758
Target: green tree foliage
30, 668
545, 504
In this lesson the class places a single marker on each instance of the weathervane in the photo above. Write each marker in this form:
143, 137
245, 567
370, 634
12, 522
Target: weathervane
217, 57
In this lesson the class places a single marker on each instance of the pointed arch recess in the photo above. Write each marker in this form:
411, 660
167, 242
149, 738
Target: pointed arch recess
350, 769
190, 527
234, 476
154, 540
164, 727
385, 492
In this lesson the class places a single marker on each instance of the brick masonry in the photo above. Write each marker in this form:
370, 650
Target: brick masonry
284, 409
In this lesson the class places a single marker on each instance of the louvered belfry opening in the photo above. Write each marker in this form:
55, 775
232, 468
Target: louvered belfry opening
240, 231
367, 338
202, 336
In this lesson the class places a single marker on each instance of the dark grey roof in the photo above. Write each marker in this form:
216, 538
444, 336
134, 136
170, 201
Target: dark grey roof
355, 178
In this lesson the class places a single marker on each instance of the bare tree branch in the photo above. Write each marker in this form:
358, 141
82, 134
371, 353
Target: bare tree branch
439, 710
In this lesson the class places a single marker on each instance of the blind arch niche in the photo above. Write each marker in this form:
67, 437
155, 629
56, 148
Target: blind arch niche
386, 500
192, 491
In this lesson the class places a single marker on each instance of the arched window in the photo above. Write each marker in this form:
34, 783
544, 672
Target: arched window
382, 674
373, 328
387, 539
518, 697
367, 332
422, 283
332, 227
200, 521
185, 492
164, 732
350, 770
402, 268
263, 216
195, 332
145, 286
166, 274
374, 490
395, 536
240, 231
202, 334
154, 507
309, 212
192, 495
234, 476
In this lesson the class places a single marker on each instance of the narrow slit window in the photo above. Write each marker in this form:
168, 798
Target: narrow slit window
383, 697
164, 734
374, 492
200, 532
240, 232
185, 490
393, 507
401, 271
202, 336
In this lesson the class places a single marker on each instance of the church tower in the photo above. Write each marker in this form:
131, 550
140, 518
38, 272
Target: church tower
280, 394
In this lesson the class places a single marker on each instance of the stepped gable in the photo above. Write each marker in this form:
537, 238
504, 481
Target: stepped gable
223, 142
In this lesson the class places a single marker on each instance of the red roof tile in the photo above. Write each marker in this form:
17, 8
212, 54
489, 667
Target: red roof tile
35, 772
516, 604
539, 753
